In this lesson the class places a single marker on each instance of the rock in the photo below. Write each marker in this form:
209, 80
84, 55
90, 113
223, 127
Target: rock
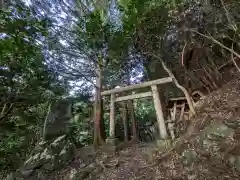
219, 130
92, 169
87, 154
72, 174
188, 157
50, 165
111, 141
40, 176
15, 176
27, 173
111, 146
58, 120
33, 162
212, 136
97, 170
211, 145
10, 177
55, 150
41, 146
164, 144
80, 174
58, 153
65, 155
235, 161
234, 123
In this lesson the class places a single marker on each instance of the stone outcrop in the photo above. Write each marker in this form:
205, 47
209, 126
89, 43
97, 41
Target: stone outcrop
55, 150
49, 156
58, 120
217, 141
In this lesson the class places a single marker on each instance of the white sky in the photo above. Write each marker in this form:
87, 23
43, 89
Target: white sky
28, 2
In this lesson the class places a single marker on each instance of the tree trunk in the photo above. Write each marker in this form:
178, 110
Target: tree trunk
130, 103
98, 115
3, 4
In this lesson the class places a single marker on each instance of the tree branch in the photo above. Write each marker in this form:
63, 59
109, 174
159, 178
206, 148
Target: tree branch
81, 74
220, 44
189, 100
6, 113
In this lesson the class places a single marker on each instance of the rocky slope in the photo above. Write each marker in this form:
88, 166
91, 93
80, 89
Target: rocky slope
210, 149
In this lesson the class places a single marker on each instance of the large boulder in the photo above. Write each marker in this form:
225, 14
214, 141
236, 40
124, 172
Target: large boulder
58, 120
214, 135
56, 150
49, 156
218, 142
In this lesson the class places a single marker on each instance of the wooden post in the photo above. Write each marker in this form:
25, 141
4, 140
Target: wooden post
172, 120
159, 112
182, 112
112, 117
174, 111
133, 120
125, 123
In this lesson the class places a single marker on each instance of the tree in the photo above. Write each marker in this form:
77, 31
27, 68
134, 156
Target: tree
27, 83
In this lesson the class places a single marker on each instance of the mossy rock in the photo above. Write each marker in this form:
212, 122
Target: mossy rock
213, 135
56, 154
189, 157
164, 145
235, 161
218, 130
92, 169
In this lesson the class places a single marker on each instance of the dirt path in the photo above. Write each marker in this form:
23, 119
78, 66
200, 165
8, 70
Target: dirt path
130, 161
135, 162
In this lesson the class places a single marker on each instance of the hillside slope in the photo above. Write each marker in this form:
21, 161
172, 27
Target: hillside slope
210, 149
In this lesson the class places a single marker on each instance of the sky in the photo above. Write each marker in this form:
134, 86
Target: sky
28, 2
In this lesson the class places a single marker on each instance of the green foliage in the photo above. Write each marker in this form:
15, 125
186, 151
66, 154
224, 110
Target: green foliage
27, 84
146, 120
39, 61
145, 110
82, 123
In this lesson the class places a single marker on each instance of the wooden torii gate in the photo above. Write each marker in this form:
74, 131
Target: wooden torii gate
153, 93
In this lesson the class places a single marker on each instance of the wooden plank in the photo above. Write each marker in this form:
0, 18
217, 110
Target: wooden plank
182, 112
178, 99
134, 96
138, 86
173, 112
179, 105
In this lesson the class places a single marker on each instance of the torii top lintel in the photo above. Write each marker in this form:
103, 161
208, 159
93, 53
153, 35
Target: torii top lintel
138, 86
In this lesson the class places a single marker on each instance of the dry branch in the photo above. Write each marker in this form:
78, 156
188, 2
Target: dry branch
220, 44
190, 103
4, 114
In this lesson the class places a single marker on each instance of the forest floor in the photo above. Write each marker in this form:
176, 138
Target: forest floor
144, 161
